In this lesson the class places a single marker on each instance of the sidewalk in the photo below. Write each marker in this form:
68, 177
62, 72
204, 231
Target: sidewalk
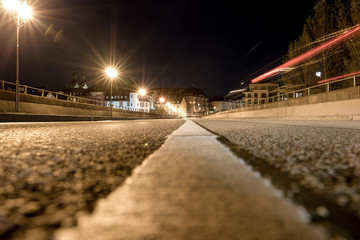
193, 188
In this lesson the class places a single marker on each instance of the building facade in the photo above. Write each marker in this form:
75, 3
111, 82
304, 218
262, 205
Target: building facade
259, 93
190, 101
218, 104
128, 100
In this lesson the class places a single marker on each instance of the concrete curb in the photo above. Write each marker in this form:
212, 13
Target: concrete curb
22, 117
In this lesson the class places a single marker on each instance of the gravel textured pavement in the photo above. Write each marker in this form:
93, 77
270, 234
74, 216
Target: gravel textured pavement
323, 156
194, 188
51, 173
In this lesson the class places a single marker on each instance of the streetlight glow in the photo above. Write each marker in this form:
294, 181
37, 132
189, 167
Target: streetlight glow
25, 11
10, 4
111, 72
142, 92
162, 100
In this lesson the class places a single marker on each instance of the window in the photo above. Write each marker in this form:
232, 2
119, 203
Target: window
255, 95
131, 104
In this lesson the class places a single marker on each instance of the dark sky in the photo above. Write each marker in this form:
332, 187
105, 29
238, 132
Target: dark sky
213, 45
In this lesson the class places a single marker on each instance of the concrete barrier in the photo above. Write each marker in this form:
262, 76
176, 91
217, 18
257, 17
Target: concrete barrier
342, 104
40, 106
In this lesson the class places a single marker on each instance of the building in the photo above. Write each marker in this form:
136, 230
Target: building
175, 105
81, 89
129, 100
259, 93
218, 104
197, 103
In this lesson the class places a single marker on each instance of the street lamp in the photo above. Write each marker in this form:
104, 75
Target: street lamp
162, 100
23, 13
111, 73
142, 92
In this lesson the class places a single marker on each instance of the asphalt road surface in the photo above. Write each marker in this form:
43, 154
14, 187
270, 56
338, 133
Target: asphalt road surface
51, 173
317, 163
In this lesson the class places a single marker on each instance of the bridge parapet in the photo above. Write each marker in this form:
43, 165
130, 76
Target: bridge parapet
34, 101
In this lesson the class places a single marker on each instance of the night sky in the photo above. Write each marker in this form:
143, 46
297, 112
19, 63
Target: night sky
214, 45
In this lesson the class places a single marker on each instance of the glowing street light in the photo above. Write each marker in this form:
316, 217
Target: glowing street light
23, 14
10, 5
142, 92
318, 74
162, 100
25, 11
111, 73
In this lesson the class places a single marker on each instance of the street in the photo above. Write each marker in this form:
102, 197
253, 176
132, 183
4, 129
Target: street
316, 163
51, 173
77, 179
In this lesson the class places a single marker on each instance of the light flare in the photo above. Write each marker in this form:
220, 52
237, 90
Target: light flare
10, 4
142, 92
111, 72
25, 11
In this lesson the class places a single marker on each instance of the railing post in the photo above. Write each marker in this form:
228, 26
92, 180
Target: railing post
327, 87
25, 89
42, 93
56, 95
3, 85
309, 91
354, 81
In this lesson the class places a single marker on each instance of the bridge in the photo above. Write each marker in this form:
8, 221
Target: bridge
239, 174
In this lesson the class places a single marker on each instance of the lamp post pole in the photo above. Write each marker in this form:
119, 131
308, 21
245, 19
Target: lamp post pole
111, 97
17, 86
111, 73
23, 14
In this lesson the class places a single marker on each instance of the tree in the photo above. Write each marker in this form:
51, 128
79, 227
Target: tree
328, 20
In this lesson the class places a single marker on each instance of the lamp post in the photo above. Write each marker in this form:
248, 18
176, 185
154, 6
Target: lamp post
23, 14
111, 73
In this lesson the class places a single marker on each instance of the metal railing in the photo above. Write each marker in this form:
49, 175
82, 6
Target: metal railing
343, 83
27, 90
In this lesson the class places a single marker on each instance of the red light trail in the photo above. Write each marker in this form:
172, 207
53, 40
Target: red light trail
339, 77
309, 54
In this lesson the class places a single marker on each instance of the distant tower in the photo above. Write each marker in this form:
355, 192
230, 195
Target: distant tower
74, 83
83, 83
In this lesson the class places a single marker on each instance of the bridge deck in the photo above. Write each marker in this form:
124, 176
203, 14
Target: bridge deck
194, 188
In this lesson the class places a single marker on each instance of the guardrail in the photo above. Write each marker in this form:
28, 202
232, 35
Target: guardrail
351, 81
4, 85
